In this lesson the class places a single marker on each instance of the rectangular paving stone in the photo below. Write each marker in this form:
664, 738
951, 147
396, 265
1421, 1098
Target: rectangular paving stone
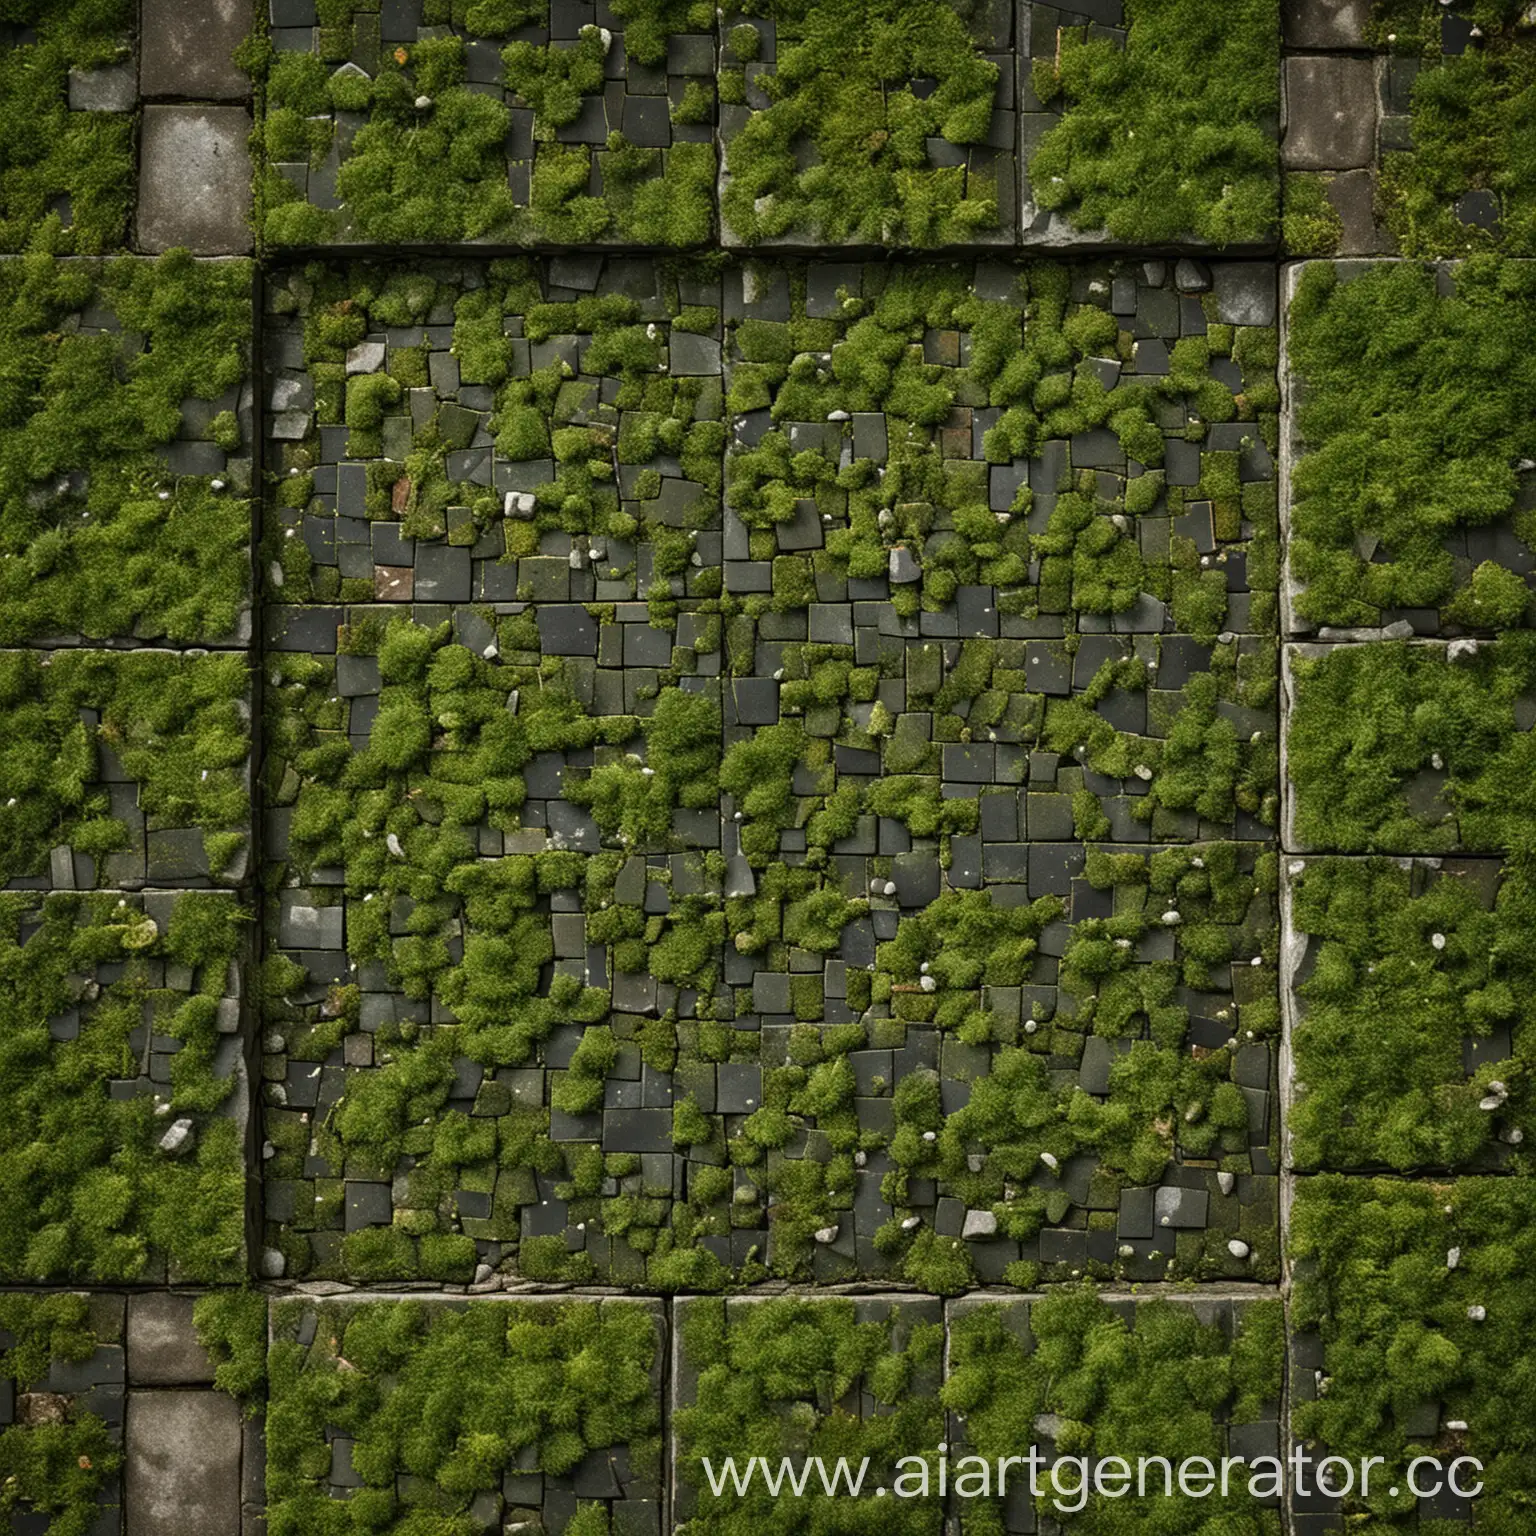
182, 1471
194, 180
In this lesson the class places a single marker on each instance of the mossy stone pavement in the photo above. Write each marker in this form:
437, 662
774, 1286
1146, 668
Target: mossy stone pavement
795, 729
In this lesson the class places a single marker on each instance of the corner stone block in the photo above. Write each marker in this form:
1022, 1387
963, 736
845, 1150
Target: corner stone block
195, 180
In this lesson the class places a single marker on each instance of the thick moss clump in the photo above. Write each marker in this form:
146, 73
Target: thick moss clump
232, 1326
78, 722
439, 1404
1399, 747
1421, 1300
1173, 133
52, 1474
1469, 120
1414, 1045
1414, 417
982, 393
91, 1190
1312, 225
107, 364
1176, 1379
573, 397
69, 176
800, 1378
837, 149
438, 158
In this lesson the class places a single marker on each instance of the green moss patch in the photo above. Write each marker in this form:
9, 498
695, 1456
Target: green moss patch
123, 769
1399, 747
1412, 1039
791, 1377
69, 175
515, 430
60, 1471
485, 126
1135, 1069
120, 1138
1168, 128
866, 124
1456, 180
123, 460
414, 1415
1097, 1380
1095, 443
1414, 416
1412, 1314
490, 829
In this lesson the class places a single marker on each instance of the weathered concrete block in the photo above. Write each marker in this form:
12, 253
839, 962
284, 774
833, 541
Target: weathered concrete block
1325, 23
182, 1469
1330, 113
188, 50
163, 1350
195, 180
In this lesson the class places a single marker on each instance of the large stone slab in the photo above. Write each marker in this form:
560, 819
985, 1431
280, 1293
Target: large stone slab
163, 1348
188, 50
195, 180
182, 1472
1330, 108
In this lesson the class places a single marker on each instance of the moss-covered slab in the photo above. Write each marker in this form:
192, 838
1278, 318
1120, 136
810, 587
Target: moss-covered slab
68, 89
890, 124
122, 1087
868, 740
797, 1377
123, 769
450, 432
490, 832
1411, 1315
1403, 126
996, 448
1149, 122
126, 440
63, 1381
510, 122
1019, 1083
1410, 495
979, 1086
1081, 1374
543, 1414
1411, 746
1408, 1032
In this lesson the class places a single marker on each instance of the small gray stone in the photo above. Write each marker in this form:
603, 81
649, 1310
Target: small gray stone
110, 89
366, 357
979, 1224
904, 568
